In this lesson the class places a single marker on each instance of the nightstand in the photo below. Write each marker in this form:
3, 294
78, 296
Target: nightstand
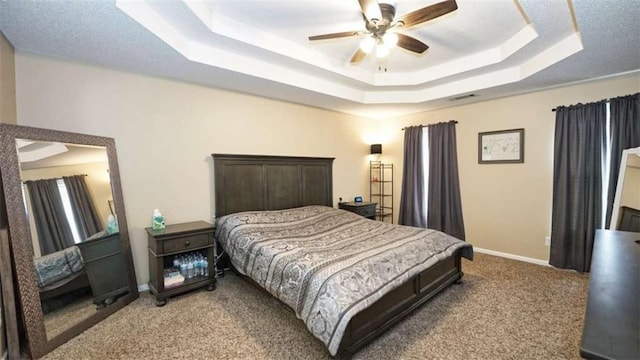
184, 245
366, 209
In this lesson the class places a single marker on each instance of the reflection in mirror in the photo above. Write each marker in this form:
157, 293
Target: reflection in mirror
103, 257
626, 205
77, 252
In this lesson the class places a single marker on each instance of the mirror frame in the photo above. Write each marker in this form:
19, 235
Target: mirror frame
38, 343
624, 159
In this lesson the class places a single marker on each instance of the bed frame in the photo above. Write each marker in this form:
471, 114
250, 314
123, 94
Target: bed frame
254, 182
71, 283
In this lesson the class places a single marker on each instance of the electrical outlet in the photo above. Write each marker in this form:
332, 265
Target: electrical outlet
547, 240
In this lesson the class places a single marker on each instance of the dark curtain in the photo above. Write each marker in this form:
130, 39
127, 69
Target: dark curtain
579, 147
444, 206
624, 118
82, 206
412, 200
52, 226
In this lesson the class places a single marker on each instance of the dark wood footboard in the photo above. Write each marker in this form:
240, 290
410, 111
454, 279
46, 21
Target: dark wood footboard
394, 306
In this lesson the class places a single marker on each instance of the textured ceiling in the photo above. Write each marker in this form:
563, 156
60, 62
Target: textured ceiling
490, 48
69, 154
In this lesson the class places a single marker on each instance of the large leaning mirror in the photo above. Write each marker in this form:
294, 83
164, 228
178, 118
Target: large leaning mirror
626, 205
68, 229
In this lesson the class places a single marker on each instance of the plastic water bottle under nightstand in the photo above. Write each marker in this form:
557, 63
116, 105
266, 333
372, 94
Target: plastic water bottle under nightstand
192, 265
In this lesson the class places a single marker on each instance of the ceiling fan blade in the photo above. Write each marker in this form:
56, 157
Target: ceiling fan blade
428, 13
358, 56
411, 44
335, 35
370, 9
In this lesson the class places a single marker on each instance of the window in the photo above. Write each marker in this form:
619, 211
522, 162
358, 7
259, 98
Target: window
425, 167
606, 163
66, 202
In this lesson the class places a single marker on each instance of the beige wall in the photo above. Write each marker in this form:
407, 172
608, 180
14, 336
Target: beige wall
166, 131
7, 82
97, 181
7, 115
507, 208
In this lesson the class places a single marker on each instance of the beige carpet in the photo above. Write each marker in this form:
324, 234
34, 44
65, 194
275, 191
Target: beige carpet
504, 309
62, 319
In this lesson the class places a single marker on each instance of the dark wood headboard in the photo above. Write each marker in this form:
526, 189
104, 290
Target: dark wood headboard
259, 182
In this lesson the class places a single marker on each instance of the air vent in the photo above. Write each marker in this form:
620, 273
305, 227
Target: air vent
462, 97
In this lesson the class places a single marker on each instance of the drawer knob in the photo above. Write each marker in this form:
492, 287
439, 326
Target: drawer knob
187, 243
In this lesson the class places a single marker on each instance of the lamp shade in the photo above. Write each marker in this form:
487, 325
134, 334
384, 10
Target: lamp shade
376, 148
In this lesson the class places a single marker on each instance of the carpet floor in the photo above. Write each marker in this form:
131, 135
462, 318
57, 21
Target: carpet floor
70, 314
504, 309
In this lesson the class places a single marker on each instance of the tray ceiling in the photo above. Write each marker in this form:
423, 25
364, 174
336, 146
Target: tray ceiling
488, 48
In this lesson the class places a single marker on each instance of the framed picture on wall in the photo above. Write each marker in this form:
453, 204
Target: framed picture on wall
501, 147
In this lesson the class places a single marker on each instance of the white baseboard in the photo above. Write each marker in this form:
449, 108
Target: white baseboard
512, 257
143, 287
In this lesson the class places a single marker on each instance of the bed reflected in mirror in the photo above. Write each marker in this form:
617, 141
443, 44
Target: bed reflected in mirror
77, 252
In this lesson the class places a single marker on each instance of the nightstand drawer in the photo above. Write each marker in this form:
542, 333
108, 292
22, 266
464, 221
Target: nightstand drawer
185, 243
367, 211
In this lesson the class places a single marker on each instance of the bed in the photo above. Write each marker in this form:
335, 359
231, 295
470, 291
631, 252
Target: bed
272, 211
60, 272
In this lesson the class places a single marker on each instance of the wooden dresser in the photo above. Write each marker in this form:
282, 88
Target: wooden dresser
103, 262
612, 320
193, 238
630, 219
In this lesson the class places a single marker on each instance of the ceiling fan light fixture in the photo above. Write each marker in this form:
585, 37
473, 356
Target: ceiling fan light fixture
390, 39
380, 20
367, 45
382, 50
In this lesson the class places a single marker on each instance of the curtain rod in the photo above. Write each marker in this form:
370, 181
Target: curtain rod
555, 109
605, 100
56, 178
453, 121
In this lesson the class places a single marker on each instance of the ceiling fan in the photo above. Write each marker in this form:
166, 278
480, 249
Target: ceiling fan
380, 24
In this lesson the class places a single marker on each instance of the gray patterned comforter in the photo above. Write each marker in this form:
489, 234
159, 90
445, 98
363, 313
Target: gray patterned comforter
329, 264
58, 265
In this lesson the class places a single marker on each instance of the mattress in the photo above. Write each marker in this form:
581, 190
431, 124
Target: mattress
329, 264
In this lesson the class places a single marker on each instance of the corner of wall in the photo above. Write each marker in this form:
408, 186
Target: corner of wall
7, 115
8, 112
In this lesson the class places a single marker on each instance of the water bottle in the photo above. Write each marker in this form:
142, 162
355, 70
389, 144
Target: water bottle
189, 269
205, 262
196, 266
183, 269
